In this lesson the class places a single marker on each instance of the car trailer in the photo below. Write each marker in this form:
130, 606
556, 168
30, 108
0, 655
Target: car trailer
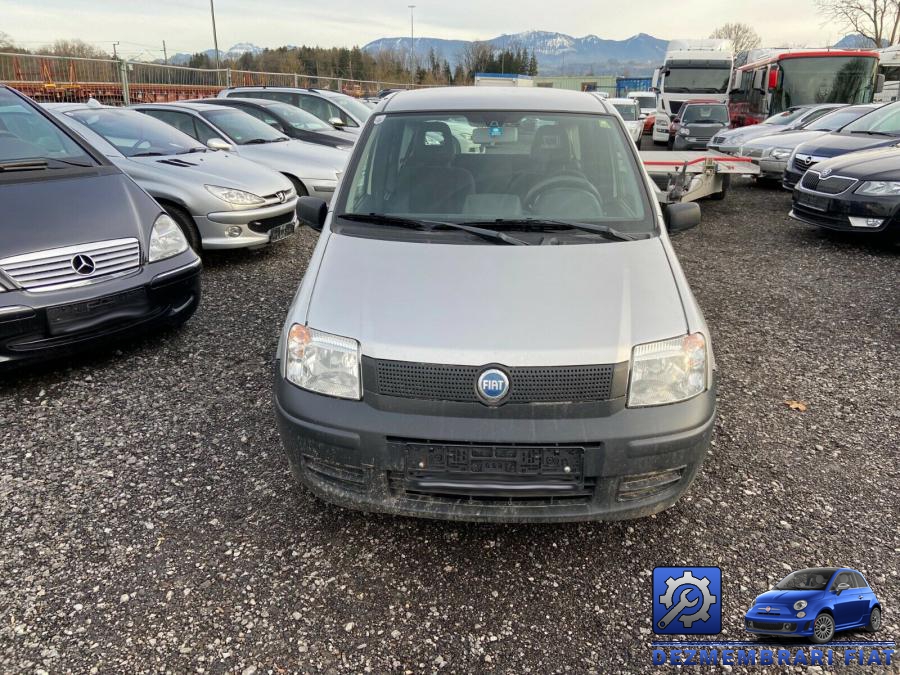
684, 176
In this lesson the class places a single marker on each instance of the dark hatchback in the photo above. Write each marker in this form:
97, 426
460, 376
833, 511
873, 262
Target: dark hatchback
86, 255
696, 125
858, 192
879, 128
290, 120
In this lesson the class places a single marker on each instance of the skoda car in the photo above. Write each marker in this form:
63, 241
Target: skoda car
504, 335
219, 200
878, 128
86, 256
815, 603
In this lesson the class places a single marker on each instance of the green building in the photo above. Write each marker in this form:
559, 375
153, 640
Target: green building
604, 83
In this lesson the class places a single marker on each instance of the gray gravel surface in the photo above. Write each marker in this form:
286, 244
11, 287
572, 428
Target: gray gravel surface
148, 519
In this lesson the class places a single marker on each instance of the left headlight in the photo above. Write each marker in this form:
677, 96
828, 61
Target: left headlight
235, 196
166, 239
323, 363
667, 371
780, 153
684, 131
879, 188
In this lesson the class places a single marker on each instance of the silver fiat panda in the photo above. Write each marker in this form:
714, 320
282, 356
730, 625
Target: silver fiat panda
493, 325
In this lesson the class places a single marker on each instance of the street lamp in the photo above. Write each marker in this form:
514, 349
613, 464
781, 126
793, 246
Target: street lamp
212, 11
412, 45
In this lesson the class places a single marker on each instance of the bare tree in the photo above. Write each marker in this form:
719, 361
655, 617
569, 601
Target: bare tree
876, 20
5, 41
742, 36
75, 47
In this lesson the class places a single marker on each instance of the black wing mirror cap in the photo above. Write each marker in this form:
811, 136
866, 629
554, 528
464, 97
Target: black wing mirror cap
683, 216
312, 211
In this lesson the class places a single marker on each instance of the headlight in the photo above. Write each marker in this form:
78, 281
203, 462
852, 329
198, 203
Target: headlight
780, 153
667, 371
166, 239
234, 196
800, 604
879, 188
323, 363
684, 131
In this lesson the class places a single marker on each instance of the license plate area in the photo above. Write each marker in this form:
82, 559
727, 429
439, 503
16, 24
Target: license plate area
283, 231
813, 201
82, 315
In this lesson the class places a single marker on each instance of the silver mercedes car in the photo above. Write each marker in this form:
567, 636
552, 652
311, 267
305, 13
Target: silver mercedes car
313, 169
219, 200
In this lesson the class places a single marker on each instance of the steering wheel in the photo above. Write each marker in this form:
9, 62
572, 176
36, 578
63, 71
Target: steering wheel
569, 181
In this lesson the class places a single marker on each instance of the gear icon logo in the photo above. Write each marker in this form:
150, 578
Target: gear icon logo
687, 600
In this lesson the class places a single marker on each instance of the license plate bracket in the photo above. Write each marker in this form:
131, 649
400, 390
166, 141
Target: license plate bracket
282, 231
83, 315
813, 201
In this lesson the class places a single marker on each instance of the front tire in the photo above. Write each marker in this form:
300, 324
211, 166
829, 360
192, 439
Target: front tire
823, 629
874, 620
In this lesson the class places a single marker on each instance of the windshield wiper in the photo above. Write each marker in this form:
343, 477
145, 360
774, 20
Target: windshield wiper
869, 132
191, 150
431, 226
147, 153
540, 223
256, 141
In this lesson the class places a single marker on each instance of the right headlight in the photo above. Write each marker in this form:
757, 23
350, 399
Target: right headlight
800, 604
780, 153
323, 363
684, 131
667, 371
879, 188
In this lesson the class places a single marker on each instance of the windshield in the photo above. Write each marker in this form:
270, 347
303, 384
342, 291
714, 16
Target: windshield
628, 111
644, 100
806, 580
298, 118
694, 113
681, 79
884, 120
837, 119
243, 128
824, 79
135, 134
26, 134
359, 110
785, 117
490, 165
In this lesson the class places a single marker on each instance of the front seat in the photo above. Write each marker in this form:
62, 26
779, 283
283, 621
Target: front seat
551, 155
427, 182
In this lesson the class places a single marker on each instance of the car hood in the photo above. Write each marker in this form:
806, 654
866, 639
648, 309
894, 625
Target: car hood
207, 168
94, 206
514, 305
776, 597
786, 139
877, 164
304, 160
744, 134
838, 143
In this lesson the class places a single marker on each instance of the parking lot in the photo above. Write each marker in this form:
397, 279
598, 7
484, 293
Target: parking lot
150, 521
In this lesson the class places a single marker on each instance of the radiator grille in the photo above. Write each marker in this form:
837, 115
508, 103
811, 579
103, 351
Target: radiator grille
832, 185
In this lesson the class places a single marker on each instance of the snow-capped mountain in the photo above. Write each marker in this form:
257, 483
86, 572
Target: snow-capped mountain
234, 52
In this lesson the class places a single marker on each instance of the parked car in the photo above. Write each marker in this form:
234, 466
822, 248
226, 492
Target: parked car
87, 256
815, 603
730, 141
424, 368
290, 120
855, 192
771, 153
696, 124
339, 110
218, 200
880, 127
312, 169
647, 102
630, 113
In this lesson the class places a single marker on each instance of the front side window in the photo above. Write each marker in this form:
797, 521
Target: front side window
242, 128
26, 134
359, 110
842, 578
487, 166
135, 134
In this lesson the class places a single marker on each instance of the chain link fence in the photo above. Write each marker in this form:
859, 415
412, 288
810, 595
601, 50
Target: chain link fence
121, 82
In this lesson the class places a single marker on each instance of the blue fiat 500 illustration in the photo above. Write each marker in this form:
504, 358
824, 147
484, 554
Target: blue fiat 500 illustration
815, 603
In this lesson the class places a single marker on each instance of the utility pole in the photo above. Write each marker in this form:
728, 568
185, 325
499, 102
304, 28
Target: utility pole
212, 11
115, 56
165, 54
412, 45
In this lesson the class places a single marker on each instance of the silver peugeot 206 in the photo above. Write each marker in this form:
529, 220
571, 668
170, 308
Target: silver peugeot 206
498, 335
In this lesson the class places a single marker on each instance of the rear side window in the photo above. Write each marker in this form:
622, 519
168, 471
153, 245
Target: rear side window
181, 121
324, 109
860, 582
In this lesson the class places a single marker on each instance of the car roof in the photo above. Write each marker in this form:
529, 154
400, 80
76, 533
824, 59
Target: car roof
622, 100
193, 106
448, 99
704, 101
262, 102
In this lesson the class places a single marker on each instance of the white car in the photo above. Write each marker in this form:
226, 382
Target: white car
630, 112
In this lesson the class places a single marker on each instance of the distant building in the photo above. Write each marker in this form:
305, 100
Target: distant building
502, 80
601, 83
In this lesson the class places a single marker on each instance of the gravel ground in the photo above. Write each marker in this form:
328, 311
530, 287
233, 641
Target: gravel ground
148, 519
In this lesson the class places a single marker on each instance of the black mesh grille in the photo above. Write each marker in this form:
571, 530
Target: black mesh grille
442, 382
831, 185
266, 224
803, 164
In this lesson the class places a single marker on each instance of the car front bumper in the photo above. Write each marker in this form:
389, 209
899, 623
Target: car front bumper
771, 168
35, 327
255, 225
835, 212
690, 143
366, 455
788, 625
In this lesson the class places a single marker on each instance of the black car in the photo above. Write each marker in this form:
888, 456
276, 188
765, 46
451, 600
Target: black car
856, 192
86, 255
879, 128
696, 124
290, 120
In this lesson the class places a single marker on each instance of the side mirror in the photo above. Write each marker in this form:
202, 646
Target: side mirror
842, 587
879, 84
684, 216
336, 122
642, 116
218, 144
312, 211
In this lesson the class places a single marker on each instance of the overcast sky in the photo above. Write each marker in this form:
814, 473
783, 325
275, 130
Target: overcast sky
140, 26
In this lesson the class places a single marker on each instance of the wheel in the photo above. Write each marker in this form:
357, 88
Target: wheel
823, 629
187, 225
298, 186
726, 183
874, 620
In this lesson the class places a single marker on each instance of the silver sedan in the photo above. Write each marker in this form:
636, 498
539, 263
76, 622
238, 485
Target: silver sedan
220, 201
313, 169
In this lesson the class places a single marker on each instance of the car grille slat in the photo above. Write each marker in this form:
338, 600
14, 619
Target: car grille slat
830, 185
52, 269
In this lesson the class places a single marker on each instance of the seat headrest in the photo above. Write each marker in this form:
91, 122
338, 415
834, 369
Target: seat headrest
551, 144
435, 144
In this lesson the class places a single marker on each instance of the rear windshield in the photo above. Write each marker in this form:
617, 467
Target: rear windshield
26, 134
705, 113
628, 111
488, 165
135, 134
242, 128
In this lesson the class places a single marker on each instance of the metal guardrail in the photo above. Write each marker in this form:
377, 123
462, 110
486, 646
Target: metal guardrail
117, 81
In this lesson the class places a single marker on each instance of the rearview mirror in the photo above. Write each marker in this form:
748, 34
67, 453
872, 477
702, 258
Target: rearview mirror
683, 216
336, 122
312, 211
218, 144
